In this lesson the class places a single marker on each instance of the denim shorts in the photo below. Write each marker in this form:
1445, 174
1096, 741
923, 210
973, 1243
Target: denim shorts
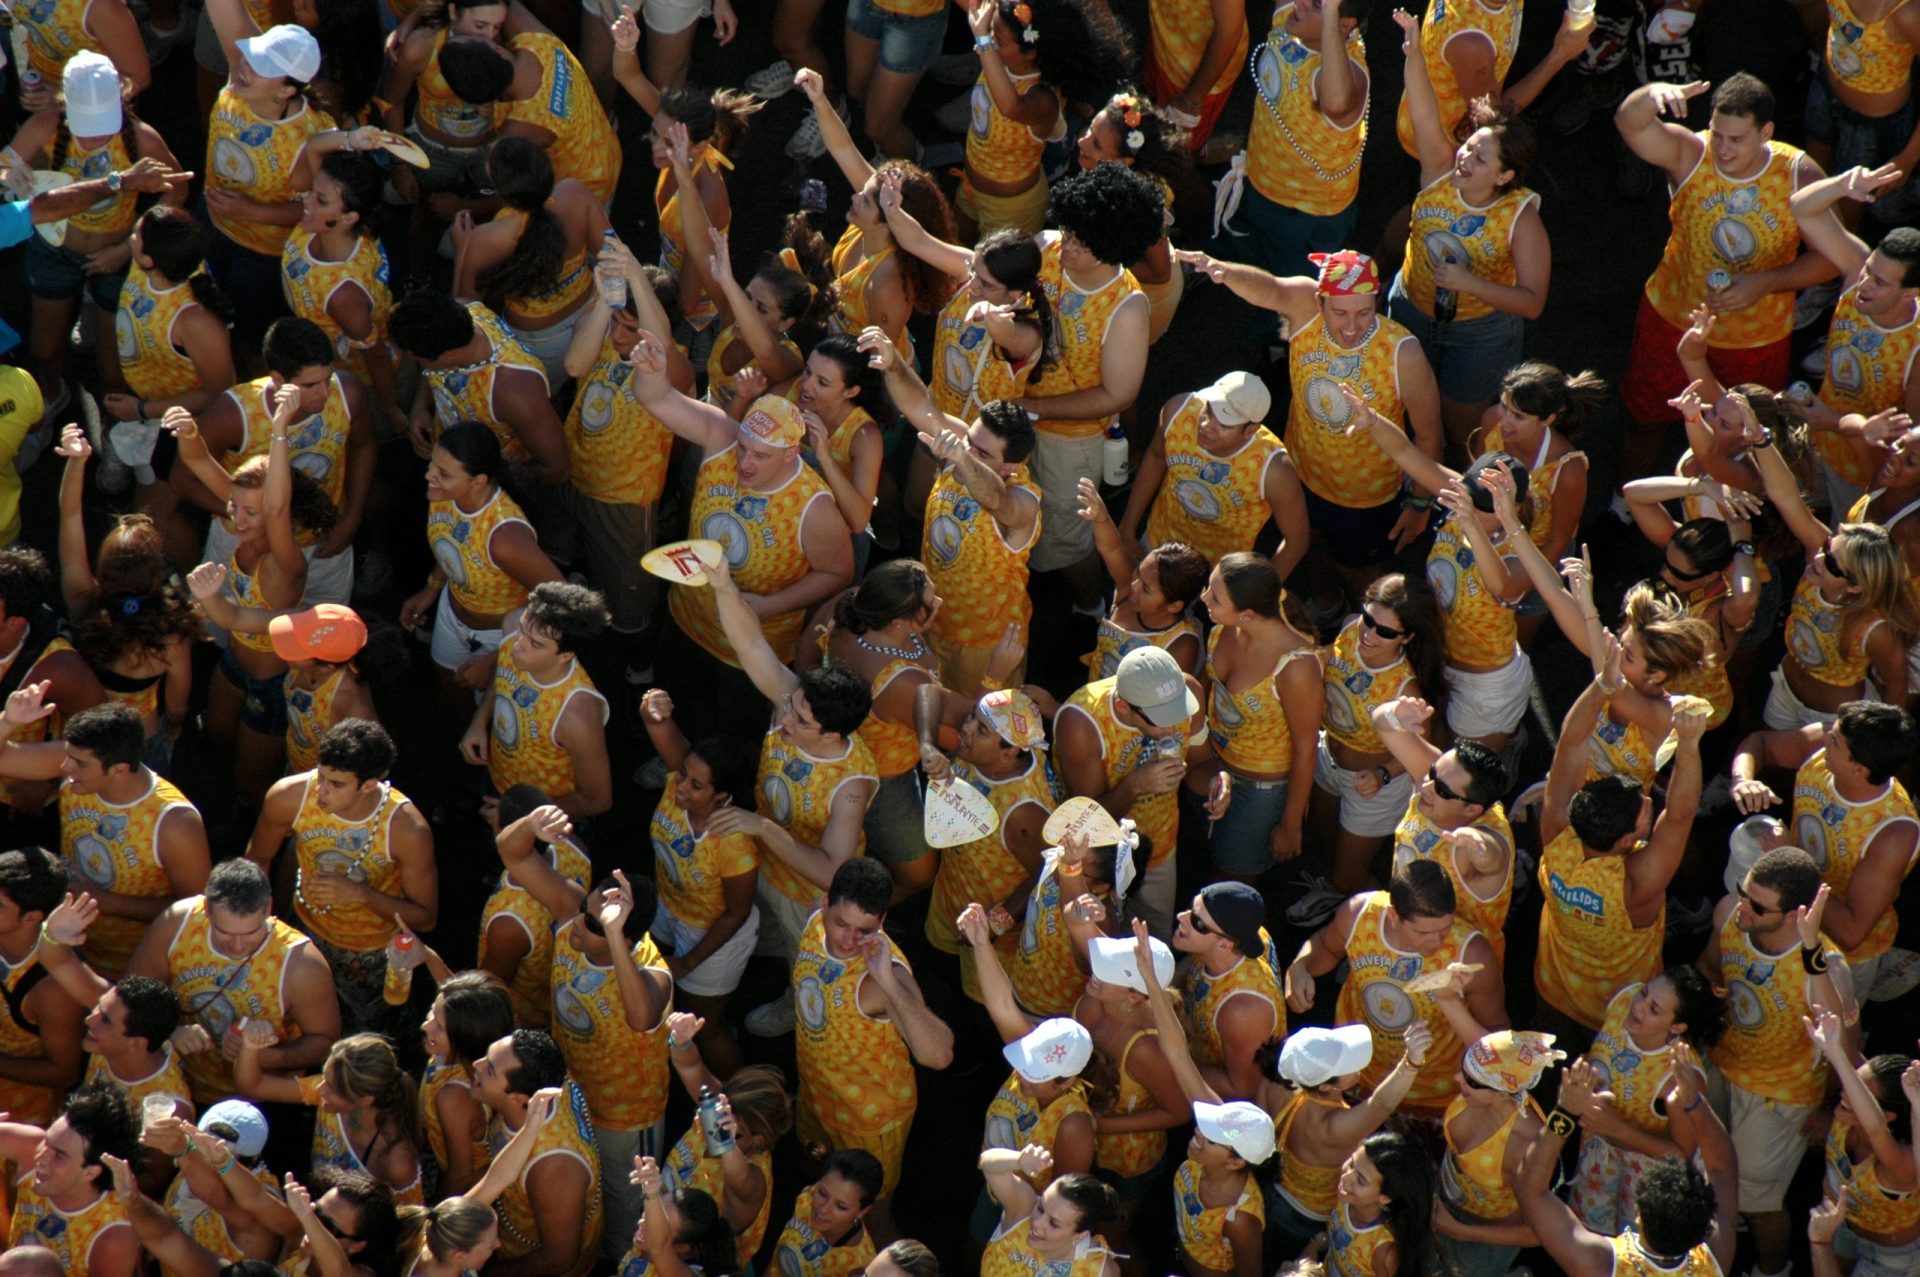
1867, 140
1871, 1259
908, 46
1469, 356
251, 281
1277, 238
1238, 843
60, 274
896, 832
265, 709
1356, 537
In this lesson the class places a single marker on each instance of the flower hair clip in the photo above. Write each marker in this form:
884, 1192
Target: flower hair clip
1135, 139
1023, 14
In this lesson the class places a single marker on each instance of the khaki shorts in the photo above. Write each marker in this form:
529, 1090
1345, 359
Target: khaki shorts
1768, 1141
613, 538
1059, 463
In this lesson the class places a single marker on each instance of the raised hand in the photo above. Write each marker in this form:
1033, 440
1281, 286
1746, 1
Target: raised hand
1672, 99
808, 81
972, 922
626, 32
550, 823
656, 706
207, 580
1417, 1041
29, 704
1866, 185
73, 445
1807, 918
67, 924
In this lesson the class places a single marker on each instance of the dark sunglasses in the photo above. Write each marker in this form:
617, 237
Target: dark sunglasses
339, 1233
1753, 904
1199, 924
1384, 631
1832, 564
1694, 575
1440, 787
594, 926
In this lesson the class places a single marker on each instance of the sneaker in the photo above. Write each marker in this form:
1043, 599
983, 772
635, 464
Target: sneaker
807, 142
1319, 903
957, 115
1813, 303
773, 1019
162, 41
85, 328
939, 155
955, 69
774, 81
113, 474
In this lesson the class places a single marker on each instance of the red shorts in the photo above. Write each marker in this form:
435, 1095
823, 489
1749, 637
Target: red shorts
1162, 90
1654, 374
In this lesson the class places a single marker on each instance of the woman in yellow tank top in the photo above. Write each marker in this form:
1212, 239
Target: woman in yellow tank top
1055, 1231
1131, 130
1265, 699
1491, 1120
1854, 611
1383, 1210
681, 1232
755, 1103
1869, 1149
536, 256
369, 1115
1152, 593
828, 1235
171, 331
843, 400
465, 1017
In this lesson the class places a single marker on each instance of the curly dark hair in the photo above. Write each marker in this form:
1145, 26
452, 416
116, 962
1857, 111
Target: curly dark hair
927, 286
1081, 49
523, 178
1112, 210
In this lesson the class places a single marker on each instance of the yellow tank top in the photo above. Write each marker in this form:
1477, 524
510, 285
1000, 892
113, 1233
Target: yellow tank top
1253, 976
1179, 30
441, 109
1355, 689
1311, 1190
1475, 1180
673, 235
466, 393
1543, 476
438, 1076
1046, 978
1765, 1050
1418, 838
1723, 224
622, 1070
761, 534
895, 746
801, 1252
1630, 1259
333, 1147
969, 369
689, 867
856, 1074
526, 714
217, 992
362, 850
1082, 319
1481, 627
22, 1042
619, 450
316, 445
721, 384
569, 1133
208, 1227
256, 159
531, 1003
1249, 728
909, 8
1713, 682
851, 273
462, 541
1015, 1121
1111, 643
311, 282
150, 359
1375, 995
1638, 1078
1446, 21
1296, 156
1872, 1206
797, 791
984, 869
71, 1235
1817, 638
113, 215
1619, 749
979, 575
1867, 371
688, 1166
249, 591
1445, 228
1009, 1255
169, 1079
1867, 57
55, 31
1215, 504
571, 282
1589, 948
1203, 1228
1129, 1153
1350, 1247
1123, 750
1001, 149
584, 145
1837, 833
1347, 470
309, 717
116, 847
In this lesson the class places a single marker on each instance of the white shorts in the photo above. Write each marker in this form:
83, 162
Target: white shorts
1489, 704
782, 919
1058, 466
328, 580
1374, 817
720, 973
454, 641
549, 345
1785, 712
1768, 1141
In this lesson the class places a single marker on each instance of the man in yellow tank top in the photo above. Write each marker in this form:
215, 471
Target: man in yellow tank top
129, 837
543, 722
1766, 949
1601, 926
551, 1214
456, 134
1214, 475
228, 958
1734, 247
547, 98
517, 928
1875, 331
40, 1023
365, 857
65, 1201
1194, 55
1860, 105
1234, 1003
126, 1042
1850, 814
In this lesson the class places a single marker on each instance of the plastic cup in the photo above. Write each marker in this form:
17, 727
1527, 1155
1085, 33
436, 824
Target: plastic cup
1581, 11
155, 1108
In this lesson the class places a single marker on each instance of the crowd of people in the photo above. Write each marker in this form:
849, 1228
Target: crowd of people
876, 468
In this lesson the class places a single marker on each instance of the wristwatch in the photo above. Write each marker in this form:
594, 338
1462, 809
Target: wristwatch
1386, 777
113, 181
1743, 547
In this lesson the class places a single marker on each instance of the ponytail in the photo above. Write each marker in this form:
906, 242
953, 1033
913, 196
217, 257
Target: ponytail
523, 178
1541, 390
720, 117
811, 265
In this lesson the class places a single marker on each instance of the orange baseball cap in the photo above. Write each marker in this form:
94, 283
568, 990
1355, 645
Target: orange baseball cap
326, 632
776, 421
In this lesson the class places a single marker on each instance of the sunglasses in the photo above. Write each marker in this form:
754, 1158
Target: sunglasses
1832, 564
1200, 925
1694, 574
1440, 787
339, 1233
1384, 631
1753, 904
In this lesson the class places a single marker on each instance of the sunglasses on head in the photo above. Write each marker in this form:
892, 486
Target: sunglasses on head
1687, 574
1831, 563
1384, 631
1440, 787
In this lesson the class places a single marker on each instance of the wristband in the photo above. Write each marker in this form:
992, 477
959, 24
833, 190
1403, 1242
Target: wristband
1386, 777
1698, 1100
141, 407
1813, 961
988, 683
47, 939
1418, 503
983, 42
1561, 1123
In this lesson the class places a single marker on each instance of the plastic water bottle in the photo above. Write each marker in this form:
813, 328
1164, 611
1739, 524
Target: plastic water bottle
1446, 304
719, 1139
613, 287
398, 986
1113, 455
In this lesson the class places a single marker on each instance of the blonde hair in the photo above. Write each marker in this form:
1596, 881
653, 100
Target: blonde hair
1675, 641
1885, 590
758, 1096
363, 1066
449, 1226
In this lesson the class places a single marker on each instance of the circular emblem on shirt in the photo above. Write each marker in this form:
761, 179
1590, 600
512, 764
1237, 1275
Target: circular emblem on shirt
1845, 370
779, 799
725, 527
958, 368
596, 407
315, 465
1197, 499
231, 161
215, 1013
1844, 58
1731, 239
1744, 1006
1804, 641
447, 554
791, 1264
506, 723
1444, 576
1327, 405
341, 866
1445, 248
810, 1001
1388, 1005
1266, 73
945, 536
668, 862
125, 338
980, 111
572, 1012
95, 859
1340, 715
1225, 710
1811, 834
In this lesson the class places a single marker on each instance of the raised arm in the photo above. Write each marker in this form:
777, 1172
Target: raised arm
1782, 488
1577, 1250
1814, 208
1671, 148
840, 144
1423, 105
749, 642
700, 424
1391, 439
996, 990
912, 237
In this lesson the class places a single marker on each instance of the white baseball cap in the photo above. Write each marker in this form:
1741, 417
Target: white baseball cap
1238, 399
285, 50
246, 1122
92, 89
1112, 960
1055, 1049
1245, 1128
1313, 1056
